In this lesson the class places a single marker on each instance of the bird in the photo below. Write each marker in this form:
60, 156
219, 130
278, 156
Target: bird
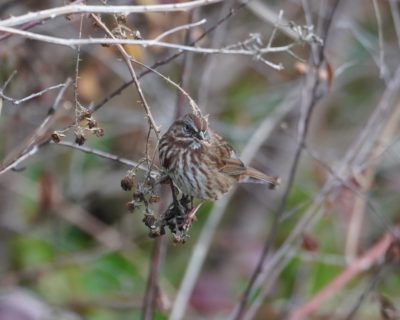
200, 163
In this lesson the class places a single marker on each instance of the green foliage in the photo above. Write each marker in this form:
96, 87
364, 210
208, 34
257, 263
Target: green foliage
29, 252
320, 275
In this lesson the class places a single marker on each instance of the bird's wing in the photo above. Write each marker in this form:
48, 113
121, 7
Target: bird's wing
230, 164
226, 159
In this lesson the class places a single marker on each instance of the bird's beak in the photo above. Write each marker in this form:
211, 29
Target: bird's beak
202, 135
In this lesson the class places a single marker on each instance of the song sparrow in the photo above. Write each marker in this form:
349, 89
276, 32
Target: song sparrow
201, 163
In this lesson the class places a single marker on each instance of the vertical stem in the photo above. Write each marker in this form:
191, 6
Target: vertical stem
152, 289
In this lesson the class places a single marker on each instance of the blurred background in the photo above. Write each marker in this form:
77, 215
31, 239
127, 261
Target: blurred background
69, 247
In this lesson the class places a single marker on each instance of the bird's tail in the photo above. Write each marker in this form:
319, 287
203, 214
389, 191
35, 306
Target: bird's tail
252, 175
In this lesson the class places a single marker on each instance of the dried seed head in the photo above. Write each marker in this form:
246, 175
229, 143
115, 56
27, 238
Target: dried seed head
99, 132
85, 115
92, 123
150, 221
80, 139
138, 196
154, 198
127, 183
55, 137
132, 206
309, 243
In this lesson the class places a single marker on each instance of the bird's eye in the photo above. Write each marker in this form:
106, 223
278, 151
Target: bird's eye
187, 128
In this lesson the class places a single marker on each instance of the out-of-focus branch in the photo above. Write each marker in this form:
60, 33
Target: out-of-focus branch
32, 24
382, 64
31, 96
365, 262
262, 10
396, 18
105, 235
80, 8
365, 180
310, 97
337, 180
152, 288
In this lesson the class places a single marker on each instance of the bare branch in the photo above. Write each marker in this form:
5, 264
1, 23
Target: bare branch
79, 8
7, 82
262, 10
146, 43
310, 97
152, 288
179, 28
31, 96
382, 63
396, 18
106, 155
365, 262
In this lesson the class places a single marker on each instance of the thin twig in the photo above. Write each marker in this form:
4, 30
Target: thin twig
105, 155
31, 24
376, 277
79, 8
152, 288
262, 10
394, 8
127, 59
7, 82
365, 180
179, 28
382, 63
31, 96
193, 104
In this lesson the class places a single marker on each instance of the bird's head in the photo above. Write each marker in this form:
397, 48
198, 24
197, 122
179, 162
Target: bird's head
191, 127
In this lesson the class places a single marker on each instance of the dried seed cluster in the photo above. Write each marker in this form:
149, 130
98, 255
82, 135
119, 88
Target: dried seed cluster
177, 218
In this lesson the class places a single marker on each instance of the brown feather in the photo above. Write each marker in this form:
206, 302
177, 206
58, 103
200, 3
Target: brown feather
233, 166
252, 175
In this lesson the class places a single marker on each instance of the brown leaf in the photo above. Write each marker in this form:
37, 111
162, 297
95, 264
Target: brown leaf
309, 243
46, 191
